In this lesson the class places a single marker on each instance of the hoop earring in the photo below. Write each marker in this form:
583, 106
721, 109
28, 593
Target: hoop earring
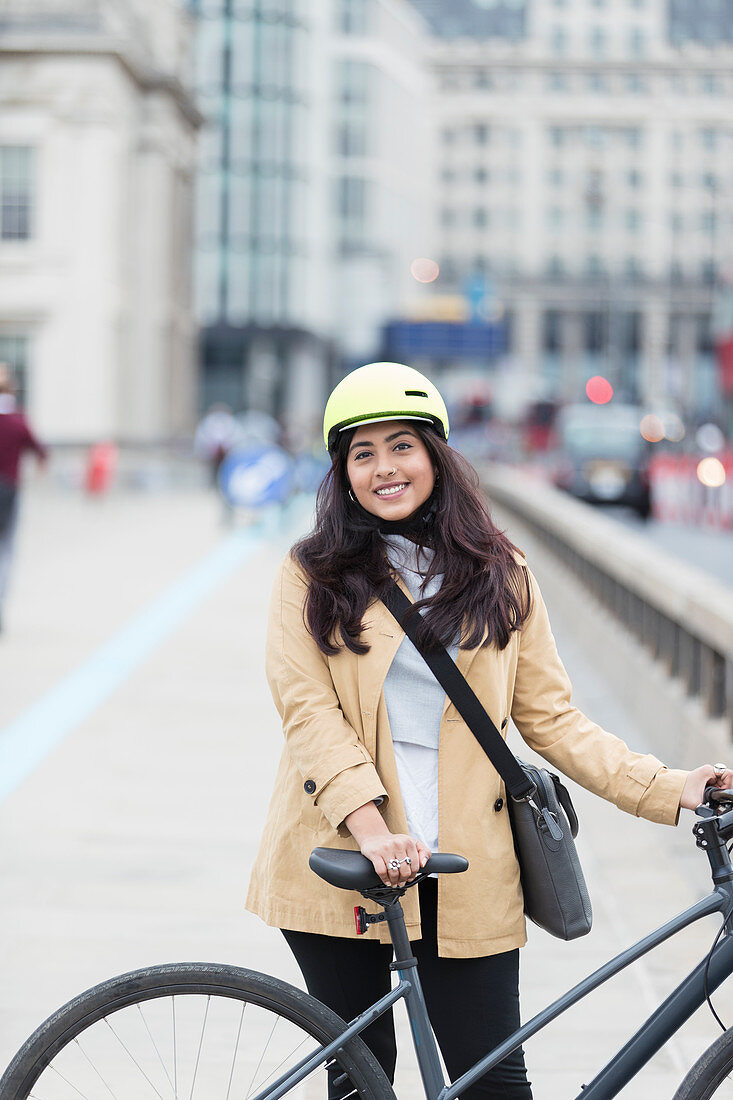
352, 495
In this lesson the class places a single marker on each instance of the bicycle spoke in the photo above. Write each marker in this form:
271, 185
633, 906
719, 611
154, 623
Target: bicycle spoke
236, 1048
69, 1083
91, 1063
132, 1058
264, 1052
287, 1058
155, 1045
175, 1055
198, 1052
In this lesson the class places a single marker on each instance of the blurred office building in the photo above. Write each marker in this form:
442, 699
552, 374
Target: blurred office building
314, 191
97, 156
585, 172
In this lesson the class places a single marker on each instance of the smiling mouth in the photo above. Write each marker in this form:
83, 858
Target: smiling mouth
392, 490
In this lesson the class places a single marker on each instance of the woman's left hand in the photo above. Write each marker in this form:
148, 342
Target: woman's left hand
697, 781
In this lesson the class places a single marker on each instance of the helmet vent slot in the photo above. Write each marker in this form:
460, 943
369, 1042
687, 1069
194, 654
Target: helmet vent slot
415, 393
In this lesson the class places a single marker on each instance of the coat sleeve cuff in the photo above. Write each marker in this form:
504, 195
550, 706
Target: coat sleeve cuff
349, 790
660, 801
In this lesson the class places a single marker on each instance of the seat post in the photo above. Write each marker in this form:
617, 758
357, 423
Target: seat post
405, 964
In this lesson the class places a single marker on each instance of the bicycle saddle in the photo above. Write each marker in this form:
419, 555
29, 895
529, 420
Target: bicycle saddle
353, 871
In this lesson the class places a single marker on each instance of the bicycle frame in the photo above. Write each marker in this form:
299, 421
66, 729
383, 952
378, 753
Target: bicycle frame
625, 1064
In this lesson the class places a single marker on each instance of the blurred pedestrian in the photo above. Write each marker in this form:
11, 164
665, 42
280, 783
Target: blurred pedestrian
15, 438
215, 437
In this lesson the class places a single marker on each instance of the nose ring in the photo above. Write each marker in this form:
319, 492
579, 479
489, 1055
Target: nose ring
392, 471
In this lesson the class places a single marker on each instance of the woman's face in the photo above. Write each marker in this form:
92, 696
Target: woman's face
389, 469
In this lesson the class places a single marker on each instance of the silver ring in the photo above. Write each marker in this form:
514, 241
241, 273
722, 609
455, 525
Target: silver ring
395, 863
720, 768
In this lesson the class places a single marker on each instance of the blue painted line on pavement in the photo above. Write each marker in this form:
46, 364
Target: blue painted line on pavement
28, 739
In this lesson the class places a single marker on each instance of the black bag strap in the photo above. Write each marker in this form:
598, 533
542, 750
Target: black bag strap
461, 694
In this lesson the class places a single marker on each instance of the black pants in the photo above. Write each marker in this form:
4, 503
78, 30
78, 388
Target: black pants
473, 1004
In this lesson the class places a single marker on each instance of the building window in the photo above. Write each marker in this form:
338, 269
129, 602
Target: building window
559, 41
635, 83
480, 175
594, 323
633, 269
709, 181
595, 137
352, 79
633, 220
598, 41
708, 221
675, 179
556, 134
351, 139
556, 177
704, 333
482, 79
554, 217
448, 175
597, 82
481, 133
676, 274
14, 352
709, 84
555, 267
448, 269
594, 218
557, 81
709, 272
633, 177
449, 136
675, 222
16, 192
552, 322
353, 16
708, 138
447, 217
637, 42
480, 217
594, 267
633, 137
352, 198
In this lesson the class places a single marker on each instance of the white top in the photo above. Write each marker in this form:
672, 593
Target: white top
415, 702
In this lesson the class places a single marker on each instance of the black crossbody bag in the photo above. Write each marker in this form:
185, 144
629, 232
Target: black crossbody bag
544, 822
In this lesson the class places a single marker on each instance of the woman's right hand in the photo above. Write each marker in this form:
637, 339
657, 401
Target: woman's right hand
410, 854
377, 843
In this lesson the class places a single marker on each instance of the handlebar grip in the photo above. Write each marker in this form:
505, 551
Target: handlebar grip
713, 795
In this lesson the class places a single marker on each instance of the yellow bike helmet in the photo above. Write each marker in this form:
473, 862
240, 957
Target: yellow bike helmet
383, 391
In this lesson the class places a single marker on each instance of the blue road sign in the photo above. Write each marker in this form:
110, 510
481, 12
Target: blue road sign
255, 477
445, 339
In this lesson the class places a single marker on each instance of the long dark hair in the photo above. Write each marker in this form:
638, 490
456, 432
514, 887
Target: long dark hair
346, 565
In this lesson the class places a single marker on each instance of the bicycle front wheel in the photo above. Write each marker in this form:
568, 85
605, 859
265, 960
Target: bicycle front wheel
712, 1073
197, 1031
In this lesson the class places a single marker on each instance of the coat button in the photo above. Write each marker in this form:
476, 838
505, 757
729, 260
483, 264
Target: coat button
498, 805
309, 786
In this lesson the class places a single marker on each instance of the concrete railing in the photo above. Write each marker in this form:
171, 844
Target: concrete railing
681, 614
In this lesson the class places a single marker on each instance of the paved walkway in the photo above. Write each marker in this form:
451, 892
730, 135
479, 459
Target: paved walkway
139, 621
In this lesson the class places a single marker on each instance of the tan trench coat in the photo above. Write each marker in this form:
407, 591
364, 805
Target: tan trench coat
338, 755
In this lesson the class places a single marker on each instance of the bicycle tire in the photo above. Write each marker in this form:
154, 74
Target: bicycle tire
712, 1073
102, 1021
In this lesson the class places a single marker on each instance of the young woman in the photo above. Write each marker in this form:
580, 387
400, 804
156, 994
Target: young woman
374, 758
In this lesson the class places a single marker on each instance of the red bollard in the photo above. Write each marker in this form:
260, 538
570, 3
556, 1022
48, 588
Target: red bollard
100, 468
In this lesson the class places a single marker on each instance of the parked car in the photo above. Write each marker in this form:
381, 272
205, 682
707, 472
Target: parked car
603, 457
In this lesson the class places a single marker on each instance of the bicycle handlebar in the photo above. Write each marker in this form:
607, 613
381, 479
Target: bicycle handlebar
716, 796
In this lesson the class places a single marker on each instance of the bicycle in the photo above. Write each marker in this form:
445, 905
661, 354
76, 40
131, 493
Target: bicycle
225, 1033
